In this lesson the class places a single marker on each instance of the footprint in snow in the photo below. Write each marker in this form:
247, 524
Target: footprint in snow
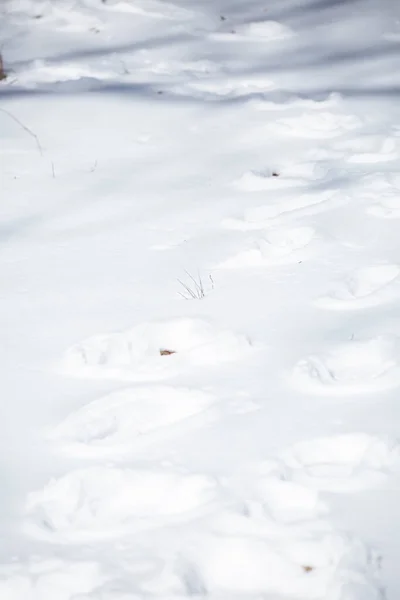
305, 204
382, 190
367, 286
278, 522
277, 246
97, 503
319, 566
119, 422
272, 500
341, 463
155, 350
357, 366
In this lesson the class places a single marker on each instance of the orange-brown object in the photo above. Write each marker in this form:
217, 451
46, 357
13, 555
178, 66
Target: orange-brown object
308, 568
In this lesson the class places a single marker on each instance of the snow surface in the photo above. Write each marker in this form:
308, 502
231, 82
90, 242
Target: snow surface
200, 358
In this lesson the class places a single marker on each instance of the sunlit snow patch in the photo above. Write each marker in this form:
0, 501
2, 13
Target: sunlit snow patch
266, 30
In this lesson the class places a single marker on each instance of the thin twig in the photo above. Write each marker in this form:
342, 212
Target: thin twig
3, 74
25, 128
197, 284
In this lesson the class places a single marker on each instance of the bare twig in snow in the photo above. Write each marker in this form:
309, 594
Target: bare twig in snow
25, 128
3, 74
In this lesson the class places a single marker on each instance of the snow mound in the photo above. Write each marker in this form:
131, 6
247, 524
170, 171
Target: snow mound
102, 502
341, 463
278, 246
155, 350
357, 366
112, 424
366, 286
48, 579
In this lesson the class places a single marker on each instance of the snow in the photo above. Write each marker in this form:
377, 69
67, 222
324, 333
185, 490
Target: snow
200, 355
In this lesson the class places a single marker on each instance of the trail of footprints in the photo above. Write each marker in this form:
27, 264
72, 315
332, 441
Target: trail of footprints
263, 530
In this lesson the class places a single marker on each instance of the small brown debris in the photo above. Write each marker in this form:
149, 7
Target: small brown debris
275, 174
222, 18
165, 352
307, 568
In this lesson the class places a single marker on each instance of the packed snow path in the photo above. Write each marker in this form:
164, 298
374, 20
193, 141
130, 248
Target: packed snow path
200, 266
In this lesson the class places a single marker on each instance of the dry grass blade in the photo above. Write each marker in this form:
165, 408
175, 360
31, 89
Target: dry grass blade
195, 288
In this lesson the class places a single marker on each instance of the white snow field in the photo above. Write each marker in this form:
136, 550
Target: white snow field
200, 286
